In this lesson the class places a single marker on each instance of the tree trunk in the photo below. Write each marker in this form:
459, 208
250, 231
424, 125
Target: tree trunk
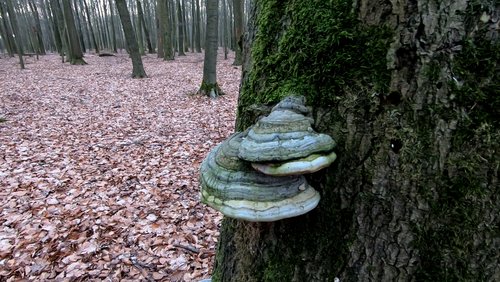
10, 43
38, 27
79, 27
74, 49
132, 47
238, 31
165, 30
180, 28
92, 33
224, 29
209, 84
112, 21
16, 32
59, 29
410, 93
140, 14
197, 35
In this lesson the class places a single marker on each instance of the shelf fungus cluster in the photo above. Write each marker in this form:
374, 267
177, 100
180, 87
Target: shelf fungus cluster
257, 175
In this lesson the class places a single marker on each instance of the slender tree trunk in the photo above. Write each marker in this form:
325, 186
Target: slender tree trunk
209, 84
91, 28
144, 26
410, 93
61, 27
38, 27
16, 32
49, 21
197, 35
112, 22
160, 38
180, 29
92, 33
74, 49
238, 31
224, 28
10, 43
132, 47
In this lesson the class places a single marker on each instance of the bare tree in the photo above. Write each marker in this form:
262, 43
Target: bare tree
132, 47
209, 84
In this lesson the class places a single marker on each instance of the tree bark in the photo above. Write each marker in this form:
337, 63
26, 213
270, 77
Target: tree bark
180, 28
38, 27
92, 33
209, 86
132, 47
112, 21
74, 49
165, 30
16, 32
10, 43
197, 36
140, 14
238, 31
408, 90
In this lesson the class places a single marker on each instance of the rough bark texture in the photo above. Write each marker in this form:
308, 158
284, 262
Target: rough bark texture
209, 84
409, 89
132, 46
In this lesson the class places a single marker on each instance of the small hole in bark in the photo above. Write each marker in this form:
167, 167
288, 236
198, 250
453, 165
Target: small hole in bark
396, 145
394, 98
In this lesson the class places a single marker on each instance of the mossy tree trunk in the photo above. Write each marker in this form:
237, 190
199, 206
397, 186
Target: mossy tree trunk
209, 86
131, 41
409, 90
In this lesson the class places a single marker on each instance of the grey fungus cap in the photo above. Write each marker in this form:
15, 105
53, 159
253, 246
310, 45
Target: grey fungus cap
232, 187
283, 135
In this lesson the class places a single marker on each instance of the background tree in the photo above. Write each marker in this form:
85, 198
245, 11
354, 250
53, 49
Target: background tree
238, 31
7, 33
409, 93
140, 16
209, 84
37, 27
16, 32
74, 49
132, 47
164, 31
180, 26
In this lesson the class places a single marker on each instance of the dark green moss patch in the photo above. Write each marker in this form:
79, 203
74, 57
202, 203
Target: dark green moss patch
319, 50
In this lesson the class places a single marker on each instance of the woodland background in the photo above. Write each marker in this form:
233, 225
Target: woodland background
98, 170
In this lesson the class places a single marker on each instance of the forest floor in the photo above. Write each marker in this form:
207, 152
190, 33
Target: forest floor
99, 172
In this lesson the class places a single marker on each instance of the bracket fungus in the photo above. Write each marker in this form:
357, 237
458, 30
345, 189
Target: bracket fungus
232, 187
309, 164
283, 135
257, 175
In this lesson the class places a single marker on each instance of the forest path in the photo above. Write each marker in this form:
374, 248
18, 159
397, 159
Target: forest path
99, 172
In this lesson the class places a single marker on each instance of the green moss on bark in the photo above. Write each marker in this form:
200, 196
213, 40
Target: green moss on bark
319, 50
457, 243
210, 89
